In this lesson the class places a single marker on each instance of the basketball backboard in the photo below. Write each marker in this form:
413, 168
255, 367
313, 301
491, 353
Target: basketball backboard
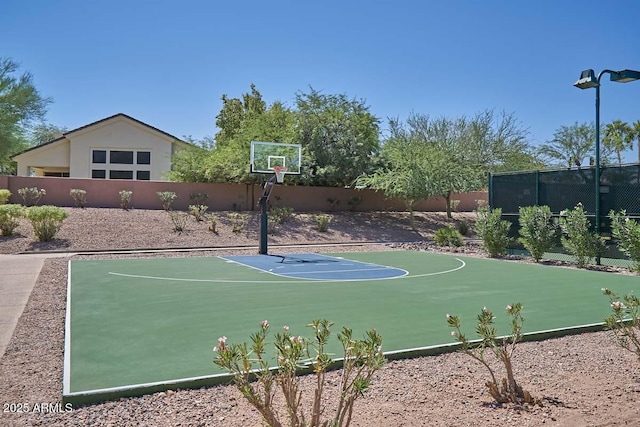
267, 155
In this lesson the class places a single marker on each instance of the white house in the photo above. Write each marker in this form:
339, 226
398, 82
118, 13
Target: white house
118, 147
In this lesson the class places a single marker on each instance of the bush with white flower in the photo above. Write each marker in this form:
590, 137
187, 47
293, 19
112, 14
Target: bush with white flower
258, 380
503, 348
624, 320
626, 233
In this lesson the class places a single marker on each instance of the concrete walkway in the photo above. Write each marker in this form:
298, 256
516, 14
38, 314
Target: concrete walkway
18, 275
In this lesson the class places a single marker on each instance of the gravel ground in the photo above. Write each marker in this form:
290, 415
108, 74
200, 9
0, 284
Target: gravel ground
582, 380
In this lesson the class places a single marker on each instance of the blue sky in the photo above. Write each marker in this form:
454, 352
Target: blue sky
167, 63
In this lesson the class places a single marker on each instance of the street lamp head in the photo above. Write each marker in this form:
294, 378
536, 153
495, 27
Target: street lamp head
625, 76
587, 80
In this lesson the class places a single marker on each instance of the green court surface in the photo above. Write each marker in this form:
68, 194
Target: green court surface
141, 325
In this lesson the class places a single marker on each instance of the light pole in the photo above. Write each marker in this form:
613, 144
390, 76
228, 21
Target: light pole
588, 80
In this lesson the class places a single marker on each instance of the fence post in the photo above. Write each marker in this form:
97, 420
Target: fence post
537, 187
490, 188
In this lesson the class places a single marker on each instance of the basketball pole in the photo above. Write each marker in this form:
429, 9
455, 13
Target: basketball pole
264, 218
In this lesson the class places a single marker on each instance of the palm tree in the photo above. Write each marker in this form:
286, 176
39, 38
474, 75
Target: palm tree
570, 144
618, 136
636, 135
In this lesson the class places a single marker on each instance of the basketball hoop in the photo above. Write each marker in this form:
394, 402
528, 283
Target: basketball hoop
280, 171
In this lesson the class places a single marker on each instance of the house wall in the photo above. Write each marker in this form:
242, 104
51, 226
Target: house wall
121, 134
105, 193
53, 155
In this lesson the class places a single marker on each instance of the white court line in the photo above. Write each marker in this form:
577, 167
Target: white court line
179, 279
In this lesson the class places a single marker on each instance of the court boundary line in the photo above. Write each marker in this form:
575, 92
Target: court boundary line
291, 280
110, 393
66, 363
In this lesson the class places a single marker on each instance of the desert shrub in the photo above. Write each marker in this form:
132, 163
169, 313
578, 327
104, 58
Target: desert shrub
179, 220
493, 231
448, 236
583, 244
280, 214
625, 320
4, 196
249, 364
537, 230
79, 197
125, 199
46, 221
10, 218
198, 198
626, 232
463, 228
322, 222
502, 348
198, 212
31, 195
238, 221
213, 223
167, 198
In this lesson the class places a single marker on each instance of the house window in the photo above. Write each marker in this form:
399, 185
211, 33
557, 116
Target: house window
104, 163
121, 157
58, 174
120, 174
99, 156
143, 157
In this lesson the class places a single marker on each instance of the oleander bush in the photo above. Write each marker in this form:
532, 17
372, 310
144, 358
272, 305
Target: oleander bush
537, 231
10, 218
31, 195
46, 221
4, 196
79, 197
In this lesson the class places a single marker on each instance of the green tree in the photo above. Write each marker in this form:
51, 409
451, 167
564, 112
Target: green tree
339, 137
427, 157
227, 159
570, 144
21, 105
618, 137
635, 126
45, 132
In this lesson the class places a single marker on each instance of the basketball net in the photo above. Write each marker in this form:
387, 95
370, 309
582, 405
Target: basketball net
280, 171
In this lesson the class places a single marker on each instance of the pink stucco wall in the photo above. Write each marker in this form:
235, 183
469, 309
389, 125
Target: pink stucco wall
105, 193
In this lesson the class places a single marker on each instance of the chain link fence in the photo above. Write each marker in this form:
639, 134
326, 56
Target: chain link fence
564, 189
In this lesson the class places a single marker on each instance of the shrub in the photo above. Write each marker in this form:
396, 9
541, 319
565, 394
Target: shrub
198, 198
198, 211
627, 234
31, 196
4, 196
463, 228
10, 218
179, 220
280, 214
46, 221
249, 362
79, 197
448, 236
322, 222
503, 349
537, 231
625, 320
238, 221
333, 203
125, 199
577, 239
213, 223
167, 198
493, 231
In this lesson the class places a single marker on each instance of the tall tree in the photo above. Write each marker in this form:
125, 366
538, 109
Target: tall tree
21, 106
635, 126
45, 132
235, 112
618, 137
427, 157
570, 144
339, 137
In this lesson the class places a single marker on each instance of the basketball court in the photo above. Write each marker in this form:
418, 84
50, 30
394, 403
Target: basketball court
136, 326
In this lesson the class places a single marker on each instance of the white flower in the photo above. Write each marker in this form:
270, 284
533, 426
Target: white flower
286, 328
454, 334
509, 307
264, 324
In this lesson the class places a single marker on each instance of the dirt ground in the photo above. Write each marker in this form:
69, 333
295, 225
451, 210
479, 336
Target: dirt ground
582, 380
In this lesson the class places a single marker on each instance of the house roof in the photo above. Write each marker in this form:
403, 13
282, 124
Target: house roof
64, 135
